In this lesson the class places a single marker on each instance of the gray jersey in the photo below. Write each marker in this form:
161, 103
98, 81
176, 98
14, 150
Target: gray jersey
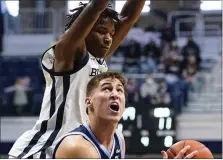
63, 107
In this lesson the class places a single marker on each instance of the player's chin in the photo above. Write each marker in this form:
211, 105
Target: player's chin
102, 52
113, 119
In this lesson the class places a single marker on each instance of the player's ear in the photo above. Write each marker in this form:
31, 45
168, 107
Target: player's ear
89, 104
88, 101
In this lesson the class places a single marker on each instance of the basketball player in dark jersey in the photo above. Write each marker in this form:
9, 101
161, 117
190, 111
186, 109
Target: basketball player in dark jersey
105, 100
98, 138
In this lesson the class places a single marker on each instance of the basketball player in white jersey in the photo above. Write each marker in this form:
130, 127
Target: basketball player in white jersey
93, 32
99, 138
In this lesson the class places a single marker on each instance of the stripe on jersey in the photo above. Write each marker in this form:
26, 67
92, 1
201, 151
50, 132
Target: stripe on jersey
59, 120
30, 157
43, 155
52, 97
43, 127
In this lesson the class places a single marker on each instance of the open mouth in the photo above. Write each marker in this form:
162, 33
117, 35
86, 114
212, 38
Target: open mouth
114, 107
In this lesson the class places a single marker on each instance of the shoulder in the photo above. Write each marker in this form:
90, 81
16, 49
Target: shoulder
48, 57
75, 146
49, 50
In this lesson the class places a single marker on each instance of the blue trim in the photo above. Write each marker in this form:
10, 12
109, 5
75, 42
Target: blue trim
96, 141
113, 148
80, 64
120, 143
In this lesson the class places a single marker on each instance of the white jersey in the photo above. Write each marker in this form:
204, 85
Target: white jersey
63, 107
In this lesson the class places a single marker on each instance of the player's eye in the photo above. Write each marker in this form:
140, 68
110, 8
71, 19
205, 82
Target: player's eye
106, 89
102, 31
120, 90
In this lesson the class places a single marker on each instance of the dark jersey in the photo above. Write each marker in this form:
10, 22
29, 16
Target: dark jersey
85, 131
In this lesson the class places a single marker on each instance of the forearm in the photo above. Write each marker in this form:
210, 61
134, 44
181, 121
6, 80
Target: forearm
132, 10
72, 41
128, 17
99, 4
85, 21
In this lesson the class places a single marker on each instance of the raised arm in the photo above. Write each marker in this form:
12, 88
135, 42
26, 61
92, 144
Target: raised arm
128, 17
71, 45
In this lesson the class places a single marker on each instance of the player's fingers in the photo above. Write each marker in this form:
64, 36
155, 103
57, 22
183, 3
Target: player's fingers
164, 154
181, 154
191, 155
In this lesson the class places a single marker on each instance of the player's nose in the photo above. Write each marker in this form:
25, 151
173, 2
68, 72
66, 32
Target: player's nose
107, 39
114, 94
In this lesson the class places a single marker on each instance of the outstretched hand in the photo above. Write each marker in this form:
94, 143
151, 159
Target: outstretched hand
181, 154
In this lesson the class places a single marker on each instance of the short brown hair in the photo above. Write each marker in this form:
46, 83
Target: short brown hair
94, 82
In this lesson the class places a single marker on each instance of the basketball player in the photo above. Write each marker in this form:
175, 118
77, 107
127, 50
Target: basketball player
93, 32
98, 138
105, 101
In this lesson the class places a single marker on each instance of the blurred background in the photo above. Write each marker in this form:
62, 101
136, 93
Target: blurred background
172, 58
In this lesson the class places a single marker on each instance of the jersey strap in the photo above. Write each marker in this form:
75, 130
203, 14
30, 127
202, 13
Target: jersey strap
48, 58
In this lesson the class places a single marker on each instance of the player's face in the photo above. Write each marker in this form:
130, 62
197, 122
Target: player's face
99, 40
108, 100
